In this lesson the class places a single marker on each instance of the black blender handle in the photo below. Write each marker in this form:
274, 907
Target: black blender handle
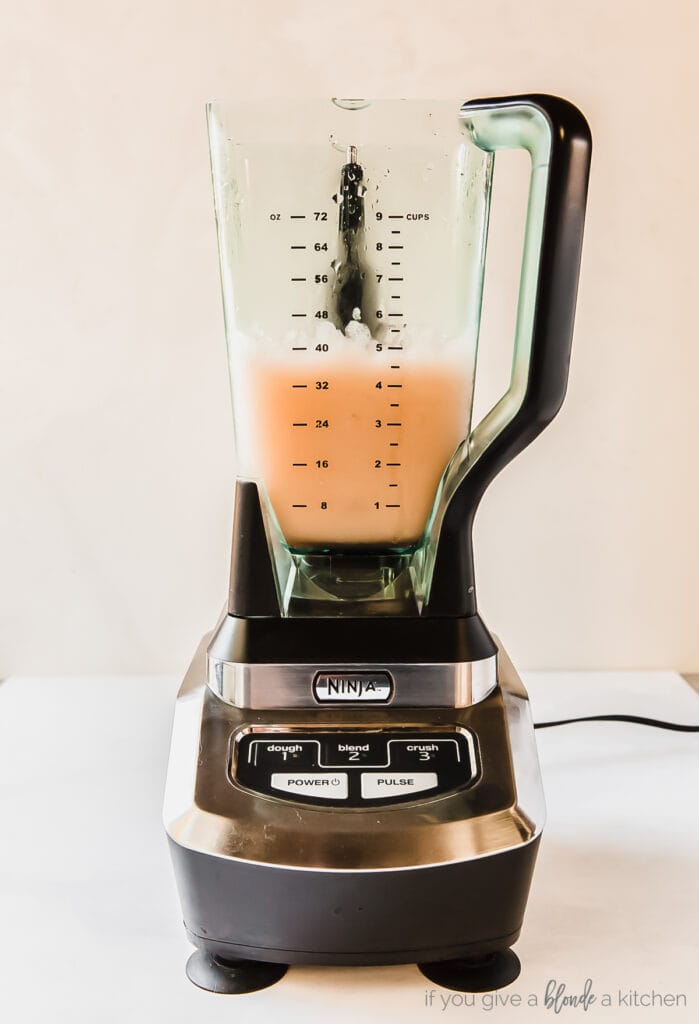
558, 137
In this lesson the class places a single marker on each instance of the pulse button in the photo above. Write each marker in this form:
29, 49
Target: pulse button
384, 785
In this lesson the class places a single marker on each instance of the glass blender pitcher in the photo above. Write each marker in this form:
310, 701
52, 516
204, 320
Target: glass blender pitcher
353, 775
352, 242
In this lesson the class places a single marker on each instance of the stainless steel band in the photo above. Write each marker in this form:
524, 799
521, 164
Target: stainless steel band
264, 686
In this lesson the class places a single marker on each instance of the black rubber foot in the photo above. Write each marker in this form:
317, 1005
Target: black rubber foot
475, 973
231, 977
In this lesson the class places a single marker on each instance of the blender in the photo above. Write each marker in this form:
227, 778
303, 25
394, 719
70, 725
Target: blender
353, 774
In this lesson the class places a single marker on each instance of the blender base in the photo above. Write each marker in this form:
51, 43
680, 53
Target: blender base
267, 882
467, 915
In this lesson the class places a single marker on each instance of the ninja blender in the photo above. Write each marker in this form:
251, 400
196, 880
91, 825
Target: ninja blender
353, 775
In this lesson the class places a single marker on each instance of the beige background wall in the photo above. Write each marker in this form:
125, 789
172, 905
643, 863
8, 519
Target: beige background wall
115, 443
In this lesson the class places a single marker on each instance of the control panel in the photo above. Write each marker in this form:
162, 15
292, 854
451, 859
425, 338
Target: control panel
353, 769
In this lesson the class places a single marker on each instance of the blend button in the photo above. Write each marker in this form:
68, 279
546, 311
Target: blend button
355, 749
324, 786
384, 785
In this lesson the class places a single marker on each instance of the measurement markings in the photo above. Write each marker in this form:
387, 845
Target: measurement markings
393, 463
393, 444
393, 485
394, 405
299, 424
395, 232
390, 279
392, 506
395, 296
299, 506
299, 348
298, 216
395, 366
393, 247
395, 263
306, 314
299, 385
394, 424
394, 385
298, 246
299, 279
299, 463
390, 314
395, 216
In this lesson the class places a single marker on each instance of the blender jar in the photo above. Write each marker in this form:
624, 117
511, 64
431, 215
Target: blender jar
352, 247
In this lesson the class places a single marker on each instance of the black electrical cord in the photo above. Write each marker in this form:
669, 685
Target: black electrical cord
635, 719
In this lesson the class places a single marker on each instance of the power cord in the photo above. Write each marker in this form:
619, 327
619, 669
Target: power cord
635, 719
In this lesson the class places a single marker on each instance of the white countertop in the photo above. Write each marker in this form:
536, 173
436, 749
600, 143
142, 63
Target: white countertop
90, 927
